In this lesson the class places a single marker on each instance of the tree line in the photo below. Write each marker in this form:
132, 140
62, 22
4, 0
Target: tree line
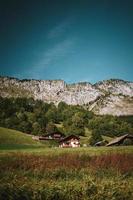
38, 118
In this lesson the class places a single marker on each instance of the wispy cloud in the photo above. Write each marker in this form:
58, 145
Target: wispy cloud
56, 52
60, 28
52, 56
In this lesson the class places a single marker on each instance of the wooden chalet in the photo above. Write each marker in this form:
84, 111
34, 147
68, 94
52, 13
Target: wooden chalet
120, 140
70, 141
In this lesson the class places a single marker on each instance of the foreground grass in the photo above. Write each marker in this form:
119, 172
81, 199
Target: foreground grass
67, 174
31, 171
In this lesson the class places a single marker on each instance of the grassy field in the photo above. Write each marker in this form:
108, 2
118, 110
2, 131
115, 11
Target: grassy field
9, 136
29, 170
16, 140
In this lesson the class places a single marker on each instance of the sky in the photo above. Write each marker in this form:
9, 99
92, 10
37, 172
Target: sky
73, 40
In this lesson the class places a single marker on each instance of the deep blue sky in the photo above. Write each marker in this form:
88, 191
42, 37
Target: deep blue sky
74, 40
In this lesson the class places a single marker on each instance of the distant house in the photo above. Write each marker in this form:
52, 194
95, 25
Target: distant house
70, 141
53, 136
121, 140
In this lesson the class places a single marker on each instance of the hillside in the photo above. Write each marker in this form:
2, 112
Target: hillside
114, 97
13, 137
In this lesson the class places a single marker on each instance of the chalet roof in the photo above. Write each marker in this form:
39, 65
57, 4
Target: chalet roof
119, 139
69, 137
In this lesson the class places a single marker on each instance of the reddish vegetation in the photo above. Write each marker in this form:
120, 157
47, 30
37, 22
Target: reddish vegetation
120, 162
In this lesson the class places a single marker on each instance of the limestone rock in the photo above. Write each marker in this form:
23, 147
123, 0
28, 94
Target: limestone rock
112, 96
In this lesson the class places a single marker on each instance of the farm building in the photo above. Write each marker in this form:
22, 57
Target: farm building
70, 141
122, 140
55, 136
50, 136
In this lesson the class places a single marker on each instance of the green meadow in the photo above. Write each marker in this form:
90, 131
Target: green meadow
31, 170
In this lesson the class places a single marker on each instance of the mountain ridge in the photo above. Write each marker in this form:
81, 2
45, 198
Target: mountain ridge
100, 81
113, 96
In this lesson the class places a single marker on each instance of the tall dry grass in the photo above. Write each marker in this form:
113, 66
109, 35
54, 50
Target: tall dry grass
117, 161
66, 177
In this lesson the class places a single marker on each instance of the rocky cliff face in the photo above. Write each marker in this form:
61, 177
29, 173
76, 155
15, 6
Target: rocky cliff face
113, 96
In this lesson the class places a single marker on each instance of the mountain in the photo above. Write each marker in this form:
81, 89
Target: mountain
114, 97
